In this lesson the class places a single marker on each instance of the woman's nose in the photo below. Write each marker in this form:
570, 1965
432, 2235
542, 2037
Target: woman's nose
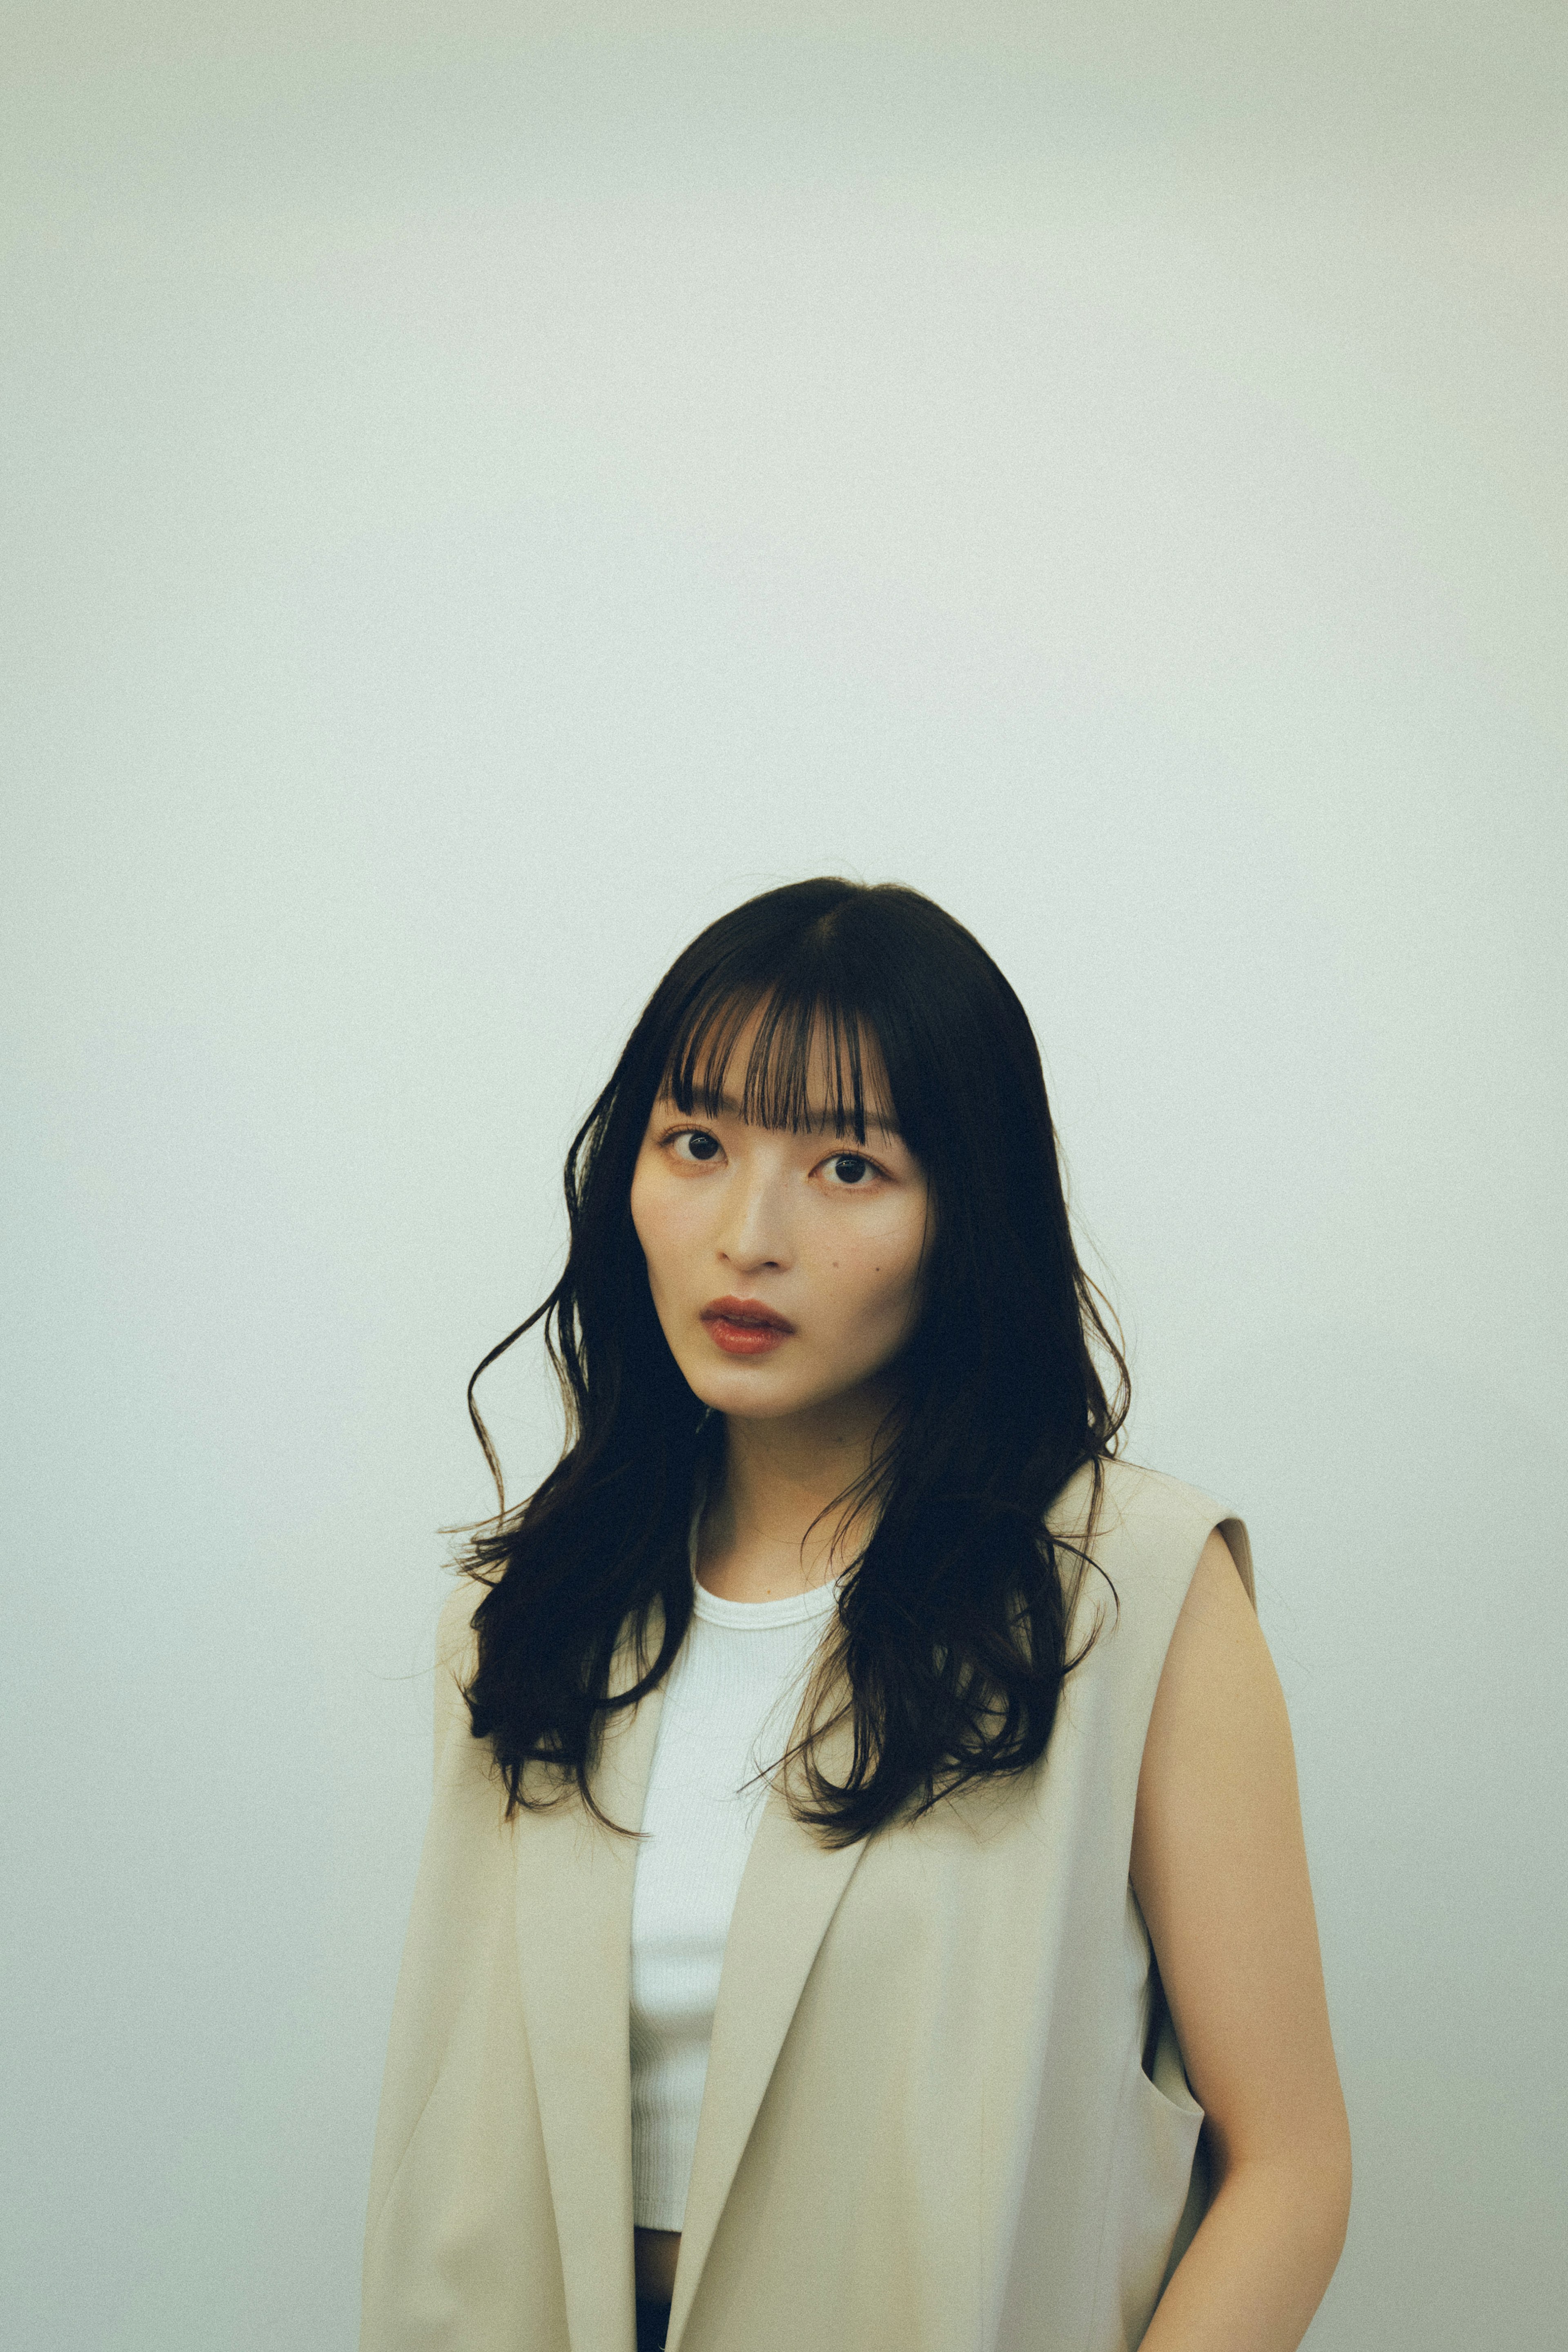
755, 1233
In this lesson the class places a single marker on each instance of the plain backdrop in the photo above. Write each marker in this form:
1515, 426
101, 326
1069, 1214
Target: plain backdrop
486, 489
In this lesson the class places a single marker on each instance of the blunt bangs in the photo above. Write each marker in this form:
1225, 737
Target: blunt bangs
806, 1031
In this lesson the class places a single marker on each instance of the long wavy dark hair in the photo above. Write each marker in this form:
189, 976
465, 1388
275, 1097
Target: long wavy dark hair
951, 1644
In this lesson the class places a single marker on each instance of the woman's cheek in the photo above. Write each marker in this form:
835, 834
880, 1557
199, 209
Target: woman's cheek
656, 1219
897, 1277
874, 1282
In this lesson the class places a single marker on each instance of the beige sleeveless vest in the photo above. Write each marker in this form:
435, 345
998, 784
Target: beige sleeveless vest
927, 2125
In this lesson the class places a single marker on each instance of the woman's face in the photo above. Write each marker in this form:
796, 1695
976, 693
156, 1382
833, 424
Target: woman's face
785, 1268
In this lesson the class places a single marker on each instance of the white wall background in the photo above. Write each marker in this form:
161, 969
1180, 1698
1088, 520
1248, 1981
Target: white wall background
486, 492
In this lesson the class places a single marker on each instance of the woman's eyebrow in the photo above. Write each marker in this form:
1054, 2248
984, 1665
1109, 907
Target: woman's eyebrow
726, 1107
870, 1119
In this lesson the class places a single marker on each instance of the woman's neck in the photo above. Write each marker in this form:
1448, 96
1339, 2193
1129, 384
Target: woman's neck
763, 1537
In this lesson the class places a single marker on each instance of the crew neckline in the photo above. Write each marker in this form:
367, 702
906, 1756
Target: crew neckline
761, 1616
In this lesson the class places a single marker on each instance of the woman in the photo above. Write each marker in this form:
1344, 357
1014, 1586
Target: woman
864, 1906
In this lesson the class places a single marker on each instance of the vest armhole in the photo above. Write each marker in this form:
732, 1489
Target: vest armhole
1238, 1543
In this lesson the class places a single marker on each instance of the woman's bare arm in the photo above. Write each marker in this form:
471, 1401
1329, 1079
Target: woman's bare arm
1219, 1870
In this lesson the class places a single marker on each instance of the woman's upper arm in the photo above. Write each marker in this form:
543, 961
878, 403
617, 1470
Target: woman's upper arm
1220, 1869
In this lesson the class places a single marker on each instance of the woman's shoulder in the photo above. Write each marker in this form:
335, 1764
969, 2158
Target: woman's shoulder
1145, 1523
456, 1656
453, 1627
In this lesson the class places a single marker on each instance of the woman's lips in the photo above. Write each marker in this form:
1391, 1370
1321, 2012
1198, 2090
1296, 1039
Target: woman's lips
745, 1326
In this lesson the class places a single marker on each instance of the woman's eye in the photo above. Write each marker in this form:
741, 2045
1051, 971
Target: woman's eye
849, 1168
697, 1146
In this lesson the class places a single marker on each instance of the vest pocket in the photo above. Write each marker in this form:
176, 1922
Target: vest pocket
1159, 2193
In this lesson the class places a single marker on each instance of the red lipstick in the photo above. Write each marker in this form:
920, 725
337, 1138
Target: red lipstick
745, 1326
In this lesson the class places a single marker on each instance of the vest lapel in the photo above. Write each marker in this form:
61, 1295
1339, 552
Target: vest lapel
789, 1894
574, 1881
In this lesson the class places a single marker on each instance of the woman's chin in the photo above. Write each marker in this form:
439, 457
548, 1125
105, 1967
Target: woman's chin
766, 1390
746, 1391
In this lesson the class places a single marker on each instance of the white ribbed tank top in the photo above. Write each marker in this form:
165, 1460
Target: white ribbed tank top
730, 1705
